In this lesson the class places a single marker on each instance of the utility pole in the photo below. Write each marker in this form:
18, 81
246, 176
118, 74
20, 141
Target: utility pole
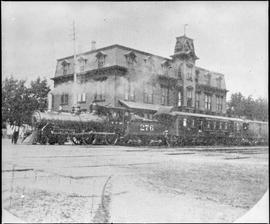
74, 66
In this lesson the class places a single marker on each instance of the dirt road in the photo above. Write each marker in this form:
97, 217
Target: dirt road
128, 184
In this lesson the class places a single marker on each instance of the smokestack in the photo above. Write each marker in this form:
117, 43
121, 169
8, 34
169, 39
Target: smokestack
93, 45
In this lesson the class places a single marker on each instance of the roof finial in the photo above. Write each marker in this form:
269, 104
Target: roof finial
185, 29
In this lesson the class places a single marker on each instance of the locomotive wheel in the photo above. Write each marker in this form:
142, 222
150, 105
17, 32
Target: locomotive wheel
52, 140
88, 140
61, 140
111, 139
43, 140
76, 140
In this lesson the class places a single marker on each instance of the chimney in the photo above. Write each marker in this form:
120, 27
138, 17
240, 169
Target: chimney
93, 45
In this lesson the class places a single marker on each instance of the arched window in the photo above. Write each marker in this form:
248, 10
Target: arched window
65, 66
101, 59
131, 58
208, 102
219, 82
82, 62
208, 79
179, 101
189, 69
197, 100
100, 90
148, 93
189, 96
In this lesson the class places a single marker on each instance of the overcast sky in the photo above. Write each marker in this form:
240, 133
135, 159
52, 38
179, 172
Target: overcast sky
229, 37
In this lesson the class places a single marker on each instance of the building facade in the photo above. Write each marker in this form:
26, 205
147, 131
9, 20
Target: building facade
118, 76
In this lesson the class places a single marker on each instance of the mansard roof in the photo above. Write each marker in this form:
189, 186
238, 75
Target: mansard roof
114, 46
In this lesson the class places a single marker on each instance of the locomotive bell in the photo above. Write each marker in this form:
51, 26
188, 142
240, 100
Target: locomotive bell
77, 110
94, 108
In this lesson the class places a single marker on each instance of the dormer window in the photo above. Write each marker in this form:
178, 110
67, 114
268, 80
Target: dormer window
147, 59
82, 62
165, 66
65, 66
131, 58
219, 82
208, 79
101, 58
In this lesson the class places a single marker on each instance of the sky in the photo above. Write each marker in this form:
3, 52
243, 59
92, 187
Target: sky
229, 37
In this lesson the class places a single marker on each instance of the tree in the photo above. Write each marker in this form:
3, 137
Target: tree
254, 109
19, 102
261, 109
236, 104
38, 92
13, 99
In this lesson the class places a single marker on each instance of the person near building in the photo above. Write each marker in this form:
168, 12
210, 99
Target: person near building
15, 134
9, 130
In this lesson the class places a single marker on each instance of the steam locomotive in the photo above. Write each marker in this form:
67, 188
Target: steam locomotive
112, 125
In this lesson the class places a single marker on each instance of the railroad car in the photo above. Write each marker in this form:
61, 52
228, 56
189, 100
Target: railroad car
256, 132
200, 129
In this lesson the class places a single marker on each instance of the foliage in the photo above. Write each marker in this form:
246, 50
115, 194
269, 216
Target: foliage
255, 109
19, 101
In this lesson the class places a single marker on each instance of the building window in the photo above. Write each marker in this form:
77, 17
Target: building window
179, 102
214, 124
208, 79
81, 98
197, 101
207, 102
82, 62
64, 99
100, 91
101, 59
219, 103
179, 72
189, 97
197, 76
219, 82
131, 92
148, 93
130, 58
184, 122
65, 70
189, 72
193, 123
164, 95
126, 89
65, 67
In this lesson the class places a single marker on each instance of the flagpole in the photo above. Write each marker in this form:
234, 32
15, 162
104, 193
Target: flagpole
74, 67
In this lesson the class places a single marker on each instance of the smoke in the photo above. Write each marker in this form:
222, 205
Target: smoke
146, 70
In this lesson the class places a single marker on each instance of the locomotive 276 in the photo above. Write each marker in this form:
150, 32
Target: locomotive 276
110, 125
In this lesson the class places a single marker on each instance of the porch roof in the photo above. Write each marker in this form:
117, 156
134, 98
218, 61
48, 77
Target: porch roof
142, 106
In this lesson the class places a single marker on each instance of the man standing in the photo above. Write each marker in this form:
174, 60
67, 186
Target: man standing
15, 134
9, 130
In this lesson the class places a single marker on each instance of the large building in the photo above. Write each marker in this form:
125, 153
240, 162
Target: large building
120, 76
